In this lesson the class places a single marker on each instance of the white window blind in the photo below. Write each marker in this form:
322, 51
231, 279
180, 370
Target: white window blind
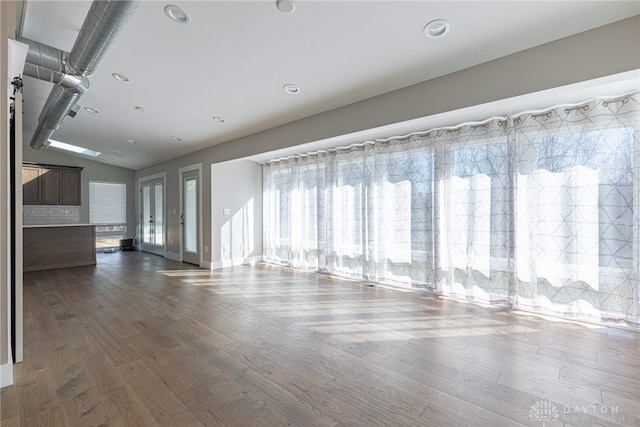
107, 202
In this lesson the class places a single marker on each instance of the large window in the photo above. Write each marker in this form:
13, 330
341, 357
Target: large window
108, 211
540, 211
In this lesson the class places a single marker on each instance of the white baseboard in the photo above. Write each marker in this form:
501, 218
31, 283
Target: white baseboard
6, 375
172, 256
206, 264
253, 260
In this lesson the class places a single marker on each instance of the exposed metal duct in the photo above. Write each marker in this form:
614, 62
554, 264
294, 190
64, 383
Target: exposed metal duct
42, 55
102, 25
48, 63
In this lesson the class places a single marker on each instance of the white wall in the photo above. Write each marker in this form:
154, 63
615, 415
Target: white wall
600, 52
236, 236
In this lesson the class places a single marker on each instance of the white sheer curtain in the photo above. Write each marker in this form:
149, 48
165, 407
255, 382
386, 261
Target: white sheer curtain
577, 210
277, 184
345, 211
539, 210
400, 215
475, 247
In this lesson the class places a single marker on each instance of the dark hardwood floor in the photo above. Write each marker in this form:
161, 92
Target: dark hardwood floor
140, 340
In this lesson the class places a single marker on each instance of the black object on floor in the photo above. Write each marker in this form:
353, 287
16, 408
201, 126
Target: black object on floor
127, 245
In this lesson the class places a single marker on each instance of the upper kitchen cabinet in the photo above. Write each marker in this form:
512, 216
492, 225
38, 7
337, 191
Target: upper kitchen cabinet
51, 185
31, 192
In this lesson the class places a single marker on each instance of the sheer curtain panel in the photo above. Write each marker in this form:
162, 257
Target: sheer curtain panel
540, 211
578, 191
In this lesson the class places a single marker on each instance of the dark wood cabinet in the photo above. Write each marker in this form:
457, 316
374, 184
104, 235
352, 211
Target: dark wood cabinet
71, 187
49, 246
51, 185
31, 194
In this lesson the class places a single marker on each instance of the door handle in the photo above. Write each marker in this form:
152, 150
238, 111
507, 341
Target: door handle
181, 219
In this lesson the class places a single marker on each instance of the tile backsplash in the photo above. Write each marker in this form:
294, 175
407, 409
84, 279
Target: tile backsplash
47, 215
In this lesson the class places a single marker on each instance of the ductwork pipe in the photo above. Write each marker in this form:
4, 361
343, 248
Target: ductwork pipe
55, 110
67, 81
48, 63
42, 55
102, 25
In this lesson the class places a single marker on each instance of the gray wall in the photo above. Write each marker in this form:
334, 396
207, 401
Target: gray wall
604, 51
93, 171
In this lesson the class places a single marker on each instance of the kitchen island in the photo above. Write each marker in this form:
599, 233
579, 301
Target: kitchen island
58, 246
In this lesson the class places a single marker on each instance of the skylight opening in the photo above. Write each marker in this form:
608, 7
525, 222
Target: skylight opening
73, 148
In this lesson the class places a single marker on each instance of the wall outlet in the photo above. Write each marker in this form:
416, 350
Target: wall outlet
226, 211
171, 243
206, 249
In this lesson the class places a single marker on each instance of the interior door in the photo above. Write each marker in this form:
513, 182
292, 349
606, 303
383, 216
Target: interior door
189, 217
152, 216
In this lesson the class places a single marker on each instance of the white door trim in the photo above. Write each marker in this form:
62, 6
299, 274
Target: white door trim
195, 167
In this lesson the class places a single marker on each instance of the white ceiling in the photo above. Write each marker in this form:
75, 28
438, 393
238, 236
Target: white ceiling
234, 57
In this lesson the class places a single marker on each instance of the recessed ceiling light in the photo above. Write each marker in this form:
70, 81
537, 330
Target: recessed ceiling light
91, 110
437, 28
175, 138
121, 77
286, 6
141, 109
177, 14
291, 89
131, 141
116, 153
219, 119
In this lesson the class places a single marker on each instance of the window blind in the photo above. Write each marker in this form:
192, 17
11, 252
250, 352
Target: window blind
107, 202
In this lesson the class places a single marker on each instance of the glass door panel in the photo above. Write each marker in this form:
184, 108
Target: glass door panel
159, 214
145, 217
189, 218
152, 216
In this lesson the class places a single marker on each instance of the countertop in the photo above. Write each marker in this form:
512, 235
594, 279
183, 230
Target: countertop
57, 225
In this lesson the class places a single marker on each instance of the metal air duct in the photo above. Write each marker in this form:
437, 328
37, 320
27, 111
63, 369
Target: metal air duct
102, 25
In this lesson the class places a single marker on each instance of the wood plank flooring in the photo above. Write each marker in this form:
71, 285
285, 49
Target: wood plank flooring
139, 340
